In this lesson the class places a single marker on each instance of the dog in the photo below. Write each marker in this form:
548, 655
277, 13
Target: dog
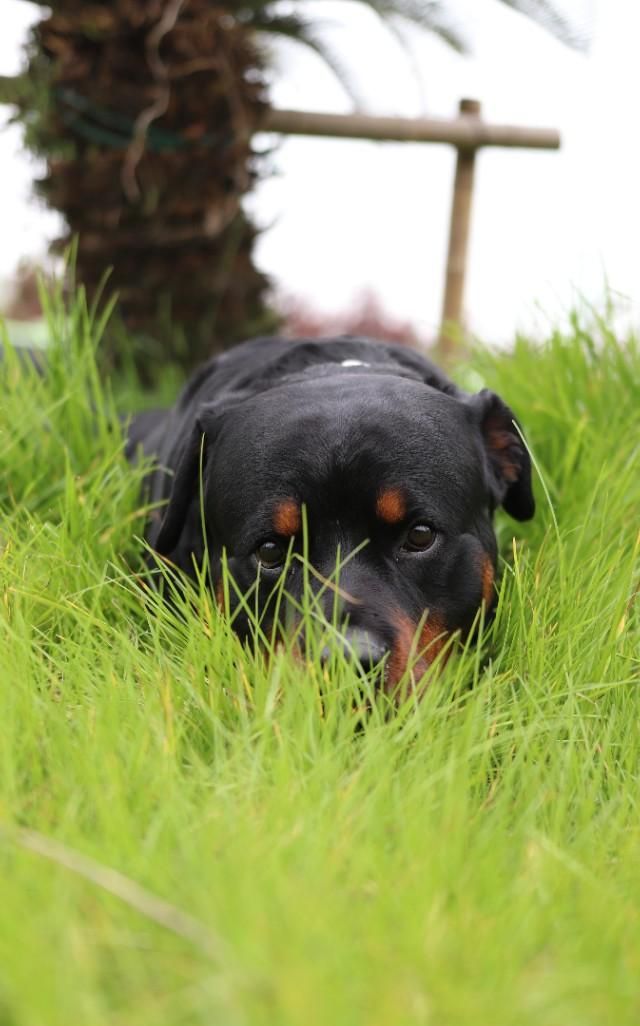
382, 456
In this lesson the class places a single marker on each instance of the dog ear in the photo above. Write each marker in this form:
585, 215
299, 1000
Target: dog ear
507, 457
183, 489
188, 458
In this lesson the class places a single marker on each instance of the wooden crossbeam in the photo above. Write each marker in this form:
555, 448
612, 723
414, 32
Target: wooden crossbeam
467, 133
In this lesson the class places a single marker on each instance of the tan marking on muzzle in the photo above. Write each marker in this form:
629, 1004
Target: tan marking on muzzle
418, 654
391, 506
433, 638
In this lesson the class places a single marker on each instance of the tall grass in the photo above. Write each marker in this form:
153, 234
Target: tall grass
190, 834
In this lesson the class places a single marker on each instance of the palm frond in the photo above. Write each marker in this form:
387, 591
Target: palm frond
299, 30
432, 15
548, 16
274, 18
428, 14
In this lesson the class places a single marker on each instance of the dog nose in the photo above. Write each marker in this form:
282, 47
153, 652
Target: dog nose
360, 645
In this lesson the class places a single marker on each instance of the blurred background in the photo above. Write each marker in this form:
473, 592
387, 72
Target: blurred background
139, 125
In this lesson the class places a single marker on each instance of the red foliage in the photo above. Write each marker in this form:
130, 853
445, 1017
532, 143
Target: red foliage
23, 303
366, 317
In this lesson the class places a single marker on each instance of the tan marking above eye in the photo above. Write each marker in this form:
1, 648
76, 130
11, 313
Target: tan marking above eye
391, 506
287, 519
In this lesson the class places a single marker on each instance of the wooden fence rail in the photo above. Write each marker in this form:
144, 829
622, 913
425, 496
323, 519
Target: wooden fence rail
465, 132
468, 133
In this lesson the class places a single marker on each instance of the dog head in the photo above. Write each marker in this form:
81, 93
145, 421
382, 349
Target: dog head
380, 465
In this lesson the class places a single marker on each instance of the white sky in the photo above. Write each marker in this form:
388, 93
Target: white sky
342, 216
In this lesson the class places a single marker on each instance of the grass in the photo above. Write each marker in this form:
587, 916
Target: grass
191, 836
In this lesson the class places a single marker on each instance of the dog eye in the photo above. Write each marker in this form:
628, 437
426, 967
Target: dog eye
420, 538
271, 555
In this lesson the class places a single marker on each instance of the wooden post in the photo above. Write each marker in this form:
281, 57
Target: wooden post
453, 306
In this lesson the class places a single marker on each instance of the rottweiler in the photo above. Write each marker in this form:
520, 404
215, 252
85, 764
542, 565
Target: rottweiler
370, 448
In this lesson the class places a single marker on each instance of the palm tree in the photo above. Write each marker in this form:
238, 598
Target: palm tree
145, 111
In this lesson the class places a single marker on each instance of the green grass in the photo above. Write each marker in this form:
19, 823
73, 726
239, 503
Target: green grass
191, 836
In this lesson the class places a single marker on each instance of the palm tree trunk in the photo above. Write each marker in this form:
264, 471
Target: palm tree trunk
146, 113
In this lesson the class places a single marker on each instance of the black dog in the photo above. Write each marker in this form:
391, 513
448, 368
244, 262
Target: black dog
378, 446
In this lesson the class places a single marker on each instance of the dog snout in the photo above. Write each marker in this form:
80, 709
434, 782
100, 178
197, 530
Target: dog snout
359, 645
